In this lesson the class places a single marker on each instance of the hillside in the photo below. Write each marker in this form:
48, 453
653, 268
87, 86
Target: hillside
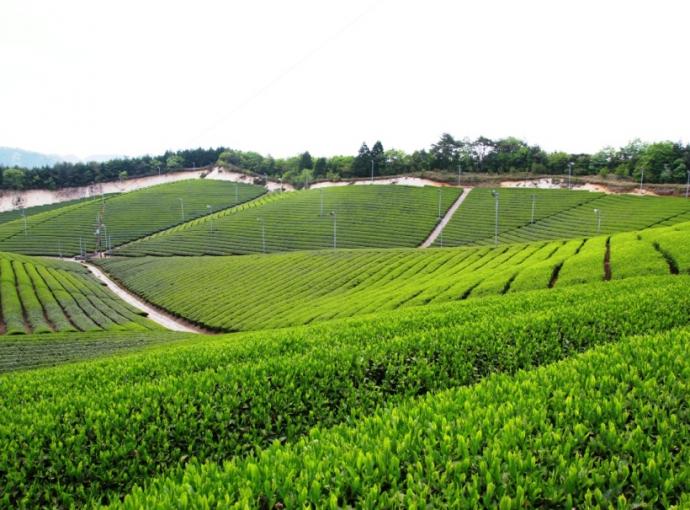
68, 229
382, 216
42, 296
156, 410
256, 292
558, 214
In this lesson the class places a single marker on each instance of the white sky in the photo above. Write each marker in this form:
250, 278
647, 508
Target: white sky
280, 77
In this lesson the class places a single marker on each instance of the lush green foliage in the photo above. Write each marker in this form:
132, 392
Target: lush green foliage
366, 216
87, 431
606, 429
559, 214
264, 291
41, 296
126, 217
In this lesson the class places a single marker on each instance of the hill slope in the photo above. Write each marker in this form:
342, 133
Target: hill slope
255, 292
128, 216
366, 216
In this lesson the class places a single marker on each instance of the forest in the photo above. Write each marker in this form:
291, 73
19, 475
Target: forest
657, 162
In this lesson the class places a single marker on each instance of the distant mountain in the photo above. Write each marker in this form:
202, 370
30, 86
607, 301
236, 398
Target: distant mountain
10, 156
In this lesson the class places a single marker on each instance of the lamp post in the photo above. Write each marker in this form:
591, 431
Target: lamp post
263, 234
642, 178
598, 214
208, 208
534, 202
494, 193
570, 175
181, 207
440, 193
335, 230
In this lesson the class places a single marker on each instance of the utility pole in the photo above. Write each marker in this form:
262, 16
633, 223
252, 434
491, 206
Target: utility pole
237, 193
181, 207
440, 191
208, 208
24, 215
335, 230
495, 195
642, 178
598, 214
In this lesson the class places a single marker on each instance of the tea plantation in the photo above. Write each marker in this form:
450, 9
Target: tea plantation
340, 364
71, 229
258, 292
364, 216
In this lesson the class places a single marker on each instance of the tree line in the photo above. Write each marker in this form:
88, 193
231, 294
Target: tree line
660, 162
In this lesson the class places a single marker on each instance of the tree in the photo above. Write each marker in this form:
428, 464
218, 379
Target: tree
378, 156
320, 167
13, 178
305, 161
361, 165
174, 162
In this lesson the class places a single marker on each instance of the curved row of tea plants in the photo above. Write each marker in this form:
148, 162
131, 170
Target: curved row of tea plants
559, 214
365, 216
20, 212
606, 429
35, 351
42, 296
72, 228
89, 432
258, 292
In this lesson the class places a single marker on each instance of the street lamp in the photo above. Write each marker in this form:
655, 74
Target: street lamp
598, 214
182, 207
263, 234
570, 175
494, 193
335, 229
534, 202
208, 208
440, 193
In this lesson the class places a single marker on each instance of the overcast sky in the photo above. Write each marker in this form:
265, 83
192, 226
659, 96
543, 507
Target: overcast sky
280, 77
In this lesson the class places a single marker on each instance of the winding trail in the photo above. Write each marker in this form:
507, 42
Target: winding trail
449, 214
164, 319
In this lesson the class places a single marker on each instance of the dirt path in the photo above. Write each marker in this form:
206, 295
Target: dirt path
156, 315
442, 224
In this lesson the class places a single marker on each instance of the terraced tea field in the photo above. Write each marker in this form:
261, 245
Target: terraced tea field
42, 296
558, 214
546, 370
68, 229
256, 292
365, 216
156, 411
